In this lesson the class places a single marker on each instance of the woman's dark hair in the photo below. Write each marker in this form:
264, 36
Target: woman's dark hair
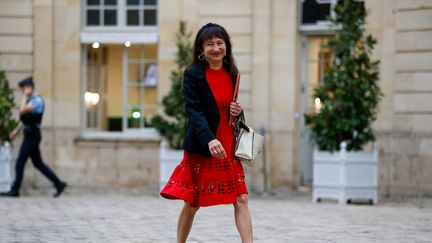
210, 31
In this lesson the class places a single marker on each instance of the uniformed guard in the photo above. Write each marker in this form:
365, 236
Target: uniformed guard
31, 112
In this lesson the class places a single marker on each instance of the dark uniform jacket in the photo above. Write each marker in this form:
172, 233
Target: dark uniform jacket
201, 109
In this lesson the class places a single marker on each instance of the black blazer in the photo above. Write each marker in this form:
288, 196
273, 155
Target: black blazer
201, 109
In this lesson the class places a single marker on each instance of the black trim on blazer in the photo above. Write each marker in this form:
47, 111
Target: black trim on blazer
201, 109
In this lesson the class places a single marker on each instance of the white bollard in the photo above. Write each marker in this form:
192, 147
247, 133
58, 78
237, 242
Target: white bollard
6, 167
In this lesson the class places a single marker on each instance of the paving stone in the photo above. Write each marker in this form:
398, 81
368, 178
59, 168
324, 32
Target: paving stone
101, 215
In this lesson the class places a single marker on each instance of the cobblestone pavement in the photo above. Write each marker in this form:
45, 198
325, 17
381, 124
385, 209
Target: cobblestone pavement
131, 216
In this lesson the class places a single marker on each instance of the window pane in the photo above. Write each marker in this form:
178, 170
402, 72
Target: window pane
150, 2
94, 97
93, 17
142, 85
133, 2
135, 117
149, 79
92, 2
135, 73
313, 11
132, 17
104, 97
110, 2
135, 96
148, 115
110, 17
150, 17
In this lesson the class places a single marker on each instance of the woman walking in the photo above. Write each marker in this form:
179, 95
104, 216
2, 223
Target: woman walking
209, 173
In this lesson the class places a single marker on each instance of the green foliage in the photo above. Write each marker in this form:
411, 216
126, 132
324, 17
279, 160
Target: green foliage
7, 123
349, 93
172, 124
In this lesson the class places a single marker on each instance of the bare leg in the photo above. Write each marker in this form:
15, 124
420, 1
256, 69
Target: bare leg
185, 221
243, 219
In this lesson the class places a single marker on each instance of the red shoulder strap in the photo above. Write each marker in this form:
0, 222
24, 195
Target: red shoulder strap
236, 91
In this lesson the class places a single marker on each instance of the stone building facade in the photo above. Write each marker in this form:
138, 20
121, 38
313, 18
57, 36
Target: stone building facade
277, 52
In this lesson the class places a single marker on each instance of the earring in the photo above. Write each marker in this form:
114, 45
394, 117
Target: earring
201, 57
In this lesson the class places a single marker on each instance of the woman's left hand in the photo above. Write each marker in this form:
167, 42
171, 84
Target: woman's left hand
235, 108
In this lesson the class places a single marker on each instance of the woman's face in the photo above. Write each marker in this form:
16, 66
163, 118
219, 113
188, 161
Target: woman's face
214, 50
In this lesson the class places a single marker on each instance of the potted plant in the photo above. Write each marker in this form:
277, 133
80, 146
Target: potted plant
171, 125
7, 124
347, 102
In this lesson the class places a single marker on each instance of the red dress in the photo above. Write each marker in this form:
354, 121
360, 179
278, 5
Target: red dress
204, 181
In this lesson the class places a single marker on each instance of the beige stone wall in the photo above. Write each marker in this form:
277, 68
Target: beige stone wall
404, 47
105, 162
16, 38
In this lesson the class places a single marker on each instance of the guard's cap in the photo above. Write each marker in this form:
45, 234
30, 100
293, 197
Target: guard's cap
26, 81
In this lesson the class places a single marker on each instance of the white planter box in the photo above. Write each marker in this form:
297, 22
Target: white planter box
6, 167
345, 175
169, 159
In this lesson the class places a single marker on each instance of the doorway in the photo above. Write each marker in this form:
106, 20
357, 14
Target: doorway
314, 61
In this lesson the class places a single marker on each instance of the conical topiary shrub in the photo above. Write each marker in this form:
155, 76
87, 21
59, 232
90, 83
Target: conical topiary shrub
7, 123
349, 94
172, 124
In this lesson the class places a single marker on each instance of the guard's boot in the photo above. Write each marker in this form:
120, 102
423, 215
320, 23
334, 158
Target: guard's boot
11, 193
60, 188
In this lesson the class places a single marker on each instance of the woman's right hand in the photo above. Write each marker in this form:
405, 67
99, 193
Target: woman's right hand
216, 149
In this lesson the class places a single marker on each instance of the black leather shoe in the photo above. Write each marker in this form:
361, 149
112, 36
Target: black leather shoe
10, 193
60, 188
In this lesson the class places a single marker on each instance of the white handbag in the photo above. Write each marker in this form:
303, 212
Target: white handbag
248, 143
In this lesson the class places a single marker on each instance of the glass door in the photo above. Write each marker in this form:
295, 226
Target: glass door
314, 60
